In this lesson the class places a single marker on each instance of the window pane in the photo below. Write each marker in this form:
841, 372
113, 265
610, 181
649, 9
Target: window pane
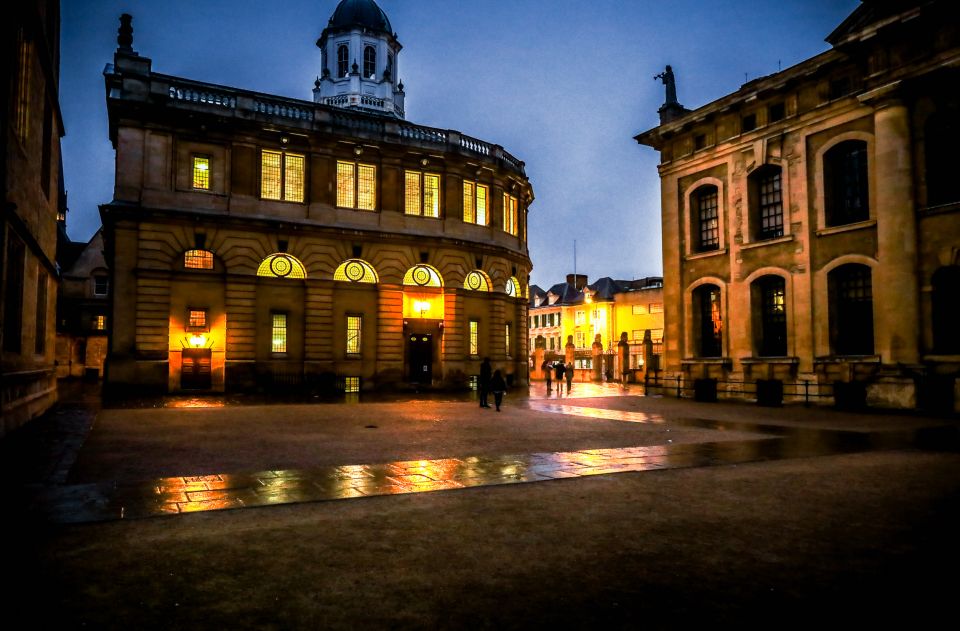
506, 333
201, 172
708, 219
100, 322
198, 259
279, 340
367, 187
198, 319
354, 326
270, 174
412, 193
481, 204
474, 337
469, 209
293, 182
771, 206
346, 184
431, 195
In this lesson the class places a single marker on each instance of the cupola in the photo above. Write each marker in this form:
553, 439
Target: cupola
358, 65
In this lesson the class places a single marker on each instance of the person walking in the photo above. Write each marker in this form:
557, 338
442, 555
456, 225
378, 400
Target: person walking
548, 371
559, 375
483, 383
498, 386
568, 373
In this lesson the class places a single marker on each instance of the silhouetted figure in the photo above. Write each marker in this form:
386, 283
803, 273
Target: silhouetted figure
548, 371
670, 84
568, 372
483, 383
498, 386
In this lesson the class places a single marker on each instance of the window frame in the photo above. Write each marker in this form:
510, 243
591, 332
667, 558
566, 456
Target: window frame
279, 321
367, 50
194, 158
106, 285
772, 336
343, 60
707, 231
764, 197
511, 212
473, 337
284, 187
356, 348
420, 196
200, 328
474, 210
851, 331
836, 168
355, 175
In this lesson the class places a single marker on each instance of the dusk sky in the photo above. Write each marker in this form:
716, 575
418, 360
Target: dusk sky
563, 85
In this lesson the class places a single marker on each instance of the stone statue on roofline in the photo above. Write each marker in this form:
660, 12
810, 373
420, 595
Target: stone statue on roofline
671, 108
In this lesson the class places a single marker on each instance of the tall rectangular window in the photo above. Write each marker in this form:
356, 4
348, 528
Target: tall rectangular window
356, 185
282, 176
278, 343
354, 330
708, 222
773, 316
100, 323
201, 173
422, 194
474, 203
770, 204
13, 296
506, 339
40, 345
22, 120
474, 335
431, 195
101, 285
46, 156
580, 318
411, 191
510, 213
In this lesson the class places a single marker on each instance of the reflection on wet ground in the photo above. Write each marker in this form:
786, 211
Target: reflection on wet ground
175, 495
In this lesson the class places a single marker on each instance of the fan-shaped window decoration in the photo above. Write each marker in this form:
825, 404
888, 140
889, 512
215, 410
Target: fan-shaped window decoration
282, 265
476, 281
356, 271
423, 276
513, 287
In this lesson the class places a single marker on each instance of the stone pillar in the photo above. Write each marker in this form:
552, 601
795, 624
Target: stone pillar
647, 351
895, 291
623, 357
597, 349
537, 362
570, 350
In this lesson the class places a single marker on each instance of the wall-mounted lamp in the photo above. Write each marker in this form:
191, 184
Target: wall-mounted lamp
424, 162
198, 341
358, 150
421, 307
284, 140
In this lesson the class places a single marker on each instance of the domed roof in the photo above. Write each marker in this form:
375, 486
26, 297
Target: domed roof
360, 13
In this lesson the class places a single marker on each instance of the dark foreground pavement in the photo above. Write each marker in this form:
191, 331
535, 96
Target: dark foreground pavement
861, 535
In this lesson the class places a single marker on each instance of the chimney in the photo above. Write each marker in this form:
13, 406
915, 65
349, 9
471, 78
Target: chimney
579, 281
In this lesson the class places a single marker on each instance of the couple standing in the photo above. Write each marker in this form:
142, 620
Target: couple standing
490, 383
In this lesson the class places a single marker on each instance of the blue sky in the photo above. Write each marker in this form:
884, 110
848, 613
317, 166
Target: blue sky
562, 85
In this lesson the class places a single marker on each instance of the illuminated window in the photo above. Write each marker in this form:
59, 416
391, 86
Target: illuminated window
423, 275
476, 281
475, 203
282, 265
343, 60
22, 121
101, 285
707, 304
281, 176
579, 337
355, 271
356, 185
351, 384
506, 337
422, 194
197, 320
580, 318
278, 342
510, 213
512, 287
639, 309
636, 335
369, 62
354, 328
474, 337
100, 323
656, 307
201, 172
198, 259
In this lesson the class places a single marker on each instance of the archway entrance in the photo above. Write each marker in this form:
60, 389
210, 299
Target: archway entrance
420, 357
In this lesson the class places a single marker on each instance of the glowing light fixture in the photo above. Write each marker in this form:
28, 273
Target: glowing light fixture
421, 307
198, 341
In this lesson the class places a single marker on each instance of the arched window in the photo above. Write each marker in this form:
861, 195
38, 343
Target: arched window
369, 62
356, 271
706, 218
282, 265
851, 310
343, 60
512, 287
476, 281
946, 304
709, 321
423, 275
766, 202
198, 259
941, 135
845, 183
769, 301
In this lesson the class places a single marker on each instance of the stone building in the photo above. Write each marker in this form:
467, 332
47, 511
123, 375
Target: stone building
586, 322
30, 132
82, 309
810, 228
263, 240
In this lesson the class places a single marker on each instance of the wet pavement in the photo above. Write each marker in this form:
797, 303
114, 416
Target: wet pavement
124, 500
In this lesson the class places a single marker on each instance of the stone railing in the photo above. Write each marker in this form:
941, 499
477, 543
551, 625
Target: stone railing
509, 159
206, 97
337, 101
283, 110
362, 123
371, 101
428, 134
474, 145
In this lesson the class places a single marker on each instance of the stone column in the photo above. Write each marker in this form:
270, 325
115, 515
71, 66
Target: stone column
895, 291
597, 349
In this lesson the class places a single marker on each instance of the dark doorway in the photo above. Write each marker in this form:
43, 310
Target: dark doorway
195, 373
420, 357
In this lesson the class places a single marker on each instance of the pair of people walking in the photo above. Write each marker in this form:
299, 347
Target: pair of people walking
491, 383
560, 371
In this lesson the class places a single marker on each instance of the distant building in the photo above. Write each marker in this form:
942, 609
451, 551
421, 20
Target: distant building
582, 316
30, 132
262, 241
83, 306
810, 219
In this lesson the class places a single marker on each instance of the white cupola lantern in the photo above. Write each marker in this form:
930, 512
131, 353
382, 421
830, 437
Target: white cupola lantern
358, 67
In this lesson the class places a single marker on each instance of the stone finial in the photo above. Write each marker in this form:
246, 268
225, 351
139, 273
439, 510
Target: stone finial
316, 83
125, 33
354, 69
